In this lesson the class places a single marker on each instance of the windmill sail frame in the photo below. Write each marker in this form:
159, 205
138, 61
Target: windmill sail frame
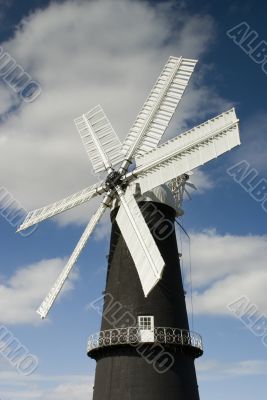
155, 165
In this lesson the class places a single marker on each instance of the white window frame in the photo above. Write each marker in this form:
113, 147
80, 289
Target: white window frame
146, 322
146, 328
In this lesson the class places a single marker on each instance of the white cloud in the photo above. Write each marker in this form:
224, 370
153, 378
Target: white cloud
201, 180
44, 387
103, 228
79, 388
225, 268
23, 292
216, 370
7, 99
107, 52
80, 391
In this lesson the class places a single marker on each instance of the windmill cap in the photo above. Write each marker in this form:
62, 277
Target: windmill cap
161, 194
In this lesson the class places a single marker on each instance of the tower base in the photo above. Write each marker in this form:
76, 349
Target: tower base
124, 375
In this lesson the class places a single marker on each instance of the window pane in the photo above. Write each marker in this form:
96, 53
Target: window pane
146, 322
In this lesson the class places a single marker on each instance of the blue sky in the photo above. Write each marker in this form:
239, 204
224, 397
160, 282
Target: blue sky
85, 53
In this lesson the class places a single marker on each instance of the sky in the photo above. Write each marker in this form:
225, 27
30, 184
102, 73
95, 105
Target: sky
84, 53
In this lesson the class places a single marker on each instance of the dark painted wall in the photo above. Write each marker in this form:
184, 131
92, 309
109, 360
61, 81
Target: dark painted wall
127, 376
123, 372
166, 301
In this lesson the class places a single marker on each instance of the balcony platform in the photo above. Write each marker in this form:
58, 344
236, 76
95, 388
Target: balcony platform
170, 338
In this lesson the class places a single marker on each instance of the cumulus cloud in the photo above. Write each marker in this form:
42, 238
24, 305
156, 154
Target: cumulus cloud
107, 52
225, 268
23, 292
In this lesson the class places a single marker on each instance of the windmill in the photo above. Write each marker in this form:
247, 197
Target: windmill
155, 165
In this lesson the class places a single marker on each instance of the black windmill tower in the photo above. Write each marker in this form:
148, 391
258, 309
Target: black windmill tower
144, 349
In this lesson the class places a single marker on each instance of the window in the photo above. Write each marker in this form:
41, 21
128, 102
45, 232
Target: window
146, 328
146, 323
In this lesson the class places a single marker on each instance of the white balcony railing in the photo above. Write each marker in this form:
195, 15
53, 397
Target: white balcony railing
163, 335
